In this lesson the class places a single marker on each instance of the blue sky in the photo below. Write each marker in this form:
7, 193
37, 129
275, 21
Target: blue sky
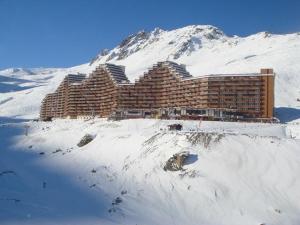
62, 33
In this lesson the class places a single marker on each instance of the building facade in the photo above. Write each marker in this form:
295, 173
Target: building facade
166, 90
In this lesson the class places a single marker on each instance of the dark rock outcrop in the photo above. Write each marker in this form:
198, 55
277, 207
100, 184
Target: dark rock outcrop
177, 161
175, 126
85, 140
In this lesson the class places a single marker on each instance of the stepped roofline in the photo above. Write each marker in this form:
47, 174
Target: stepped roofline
75, 77
179, 69
167, 85
117, 73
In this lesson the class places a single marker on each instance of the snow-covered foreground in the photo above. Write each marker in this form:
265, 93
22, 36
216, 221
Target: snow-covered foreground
237, 173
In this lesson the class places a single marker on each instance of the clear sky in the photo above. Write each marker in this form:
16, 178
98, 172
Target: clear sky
62, 33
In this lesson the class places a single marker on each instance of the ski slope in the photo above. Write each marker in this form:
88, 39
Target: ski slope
238, 173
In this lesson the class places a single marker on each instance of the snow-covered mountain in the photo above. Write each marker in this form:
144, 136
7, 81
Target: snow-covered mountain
238, 173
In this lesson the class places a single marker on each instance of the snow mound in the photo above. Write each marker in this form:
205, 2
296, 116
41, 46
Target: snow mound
231, 176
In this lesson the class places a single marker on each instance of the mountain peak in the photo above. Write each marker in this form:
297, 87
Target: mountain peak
176, 44
157, 30
182, 41
200, 28
131, 39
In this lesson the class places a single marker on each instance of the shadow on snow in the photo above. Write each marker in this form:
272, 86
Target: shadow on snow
11, 84
31, 193
286, 114
191, 159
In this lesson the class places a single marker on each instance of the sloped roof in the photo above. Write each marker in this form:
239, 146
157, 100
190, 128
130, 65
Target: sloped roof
178, 69
117, 72
72, 78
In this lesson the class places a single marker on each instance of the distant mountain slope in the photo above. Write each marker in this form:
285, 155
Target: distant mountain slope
204, 49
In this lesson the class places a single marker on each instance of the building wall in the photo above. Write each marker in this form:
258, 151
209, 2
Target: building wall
55, 104
164, 86
248, 95
152, 91
95, 96
268, 86
241, 94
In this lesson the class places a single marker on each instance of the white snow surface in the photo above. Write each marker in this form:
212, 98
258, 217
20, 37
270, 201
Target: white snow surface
237, 173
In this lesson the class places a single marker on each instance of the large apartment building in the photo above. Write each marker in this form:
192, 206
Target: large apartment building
166, 90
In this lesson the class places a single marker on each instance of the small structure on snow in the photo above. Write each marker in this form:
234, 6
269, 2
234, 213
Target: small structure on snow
175, 126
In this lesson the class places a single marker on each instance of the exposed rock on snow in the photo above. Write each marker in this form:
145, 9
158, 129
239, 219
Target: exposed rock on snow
114, 204
190, 173
124, 192
204, 138
175, 126
117, 201
177, 161
57, 150
102, 53
85, 140
130, 45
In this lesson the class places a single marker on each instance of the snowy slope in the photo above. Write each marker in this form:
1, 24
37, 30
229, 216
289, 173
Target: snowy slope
204, 49
238, 173
21, 91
